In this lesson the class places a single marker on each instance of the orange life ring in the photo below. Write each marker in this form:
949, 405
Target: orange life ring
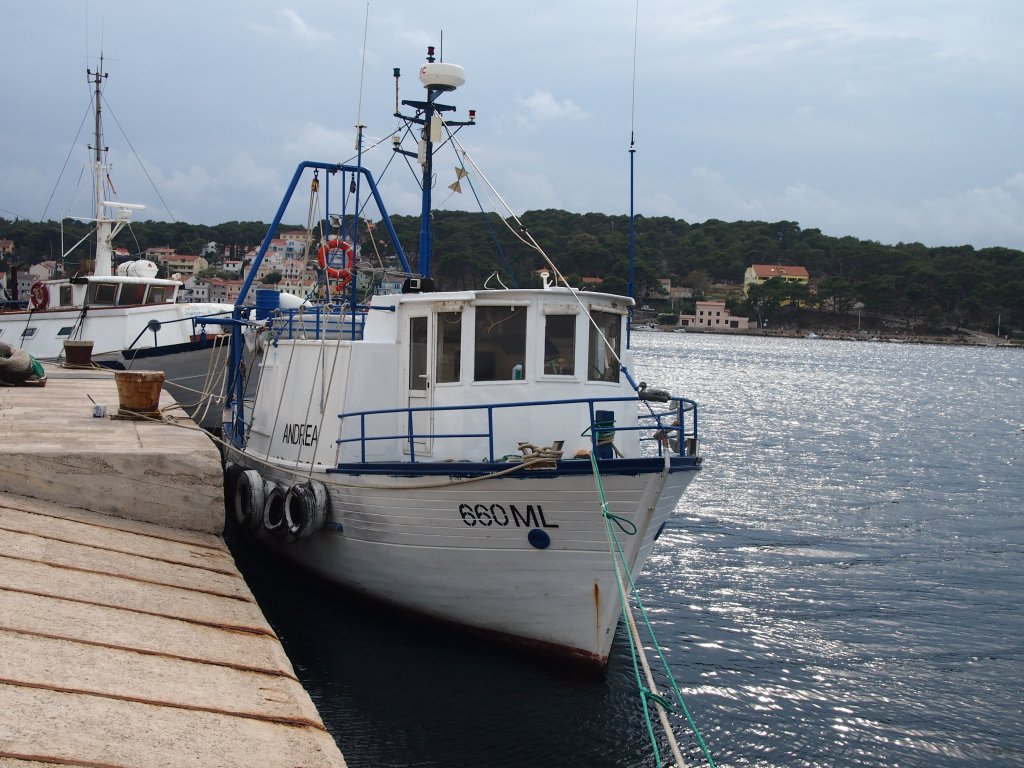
331, 247
40, 296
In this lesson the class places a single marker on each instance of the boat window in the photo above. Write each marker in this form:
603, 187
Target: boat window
603, 365
28, 333
131, 293
560, 344
101, 293
449, 346
157, 294
65, 331
500, 353
417, 353
65, 295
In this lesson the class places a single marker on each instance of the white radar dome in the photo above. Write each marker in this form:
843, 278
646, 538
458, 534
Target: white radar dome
447, 77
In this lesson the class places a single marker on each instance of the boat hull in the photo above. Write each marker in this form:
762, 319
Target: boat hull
193, 364
523, 556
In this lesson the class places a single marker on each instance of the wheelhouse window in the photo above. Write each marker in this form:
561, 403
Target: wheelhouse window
604, 352
500, 353
418, 353
65, 294
449, 347
157, 294
101, 293
560, 345
131, 293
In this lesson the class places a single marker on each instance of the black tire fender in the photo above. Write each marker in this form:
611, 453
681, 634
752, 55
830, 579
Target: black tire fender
231, 474
273, 510
250, 500
306, 509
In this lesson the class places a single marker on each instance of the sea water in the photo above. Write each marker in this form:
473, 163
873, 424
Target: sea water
842, 584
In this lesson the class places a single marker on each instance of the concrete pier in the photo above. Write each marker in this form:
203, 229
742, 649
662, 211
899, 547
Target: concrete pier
127, 635
53, 448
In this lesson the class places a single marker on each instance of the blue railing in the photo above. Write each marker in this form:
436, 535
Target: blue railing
317, 322
668, 421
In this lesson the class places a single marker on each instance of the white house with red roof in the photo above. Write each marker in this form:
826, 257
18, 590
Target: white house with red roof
762, 273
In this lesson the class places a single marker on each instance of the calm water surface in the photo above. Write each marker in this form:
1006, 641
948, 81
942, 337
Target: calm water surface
842, 585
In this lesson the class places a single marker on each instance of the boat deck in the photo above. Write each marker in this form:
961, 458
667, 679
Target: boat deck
124, 642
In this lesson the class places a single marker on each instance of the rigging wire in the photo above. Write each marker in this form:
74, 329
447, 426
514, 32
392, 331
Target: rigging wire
64, 167
524, 236
142, 165
362, 69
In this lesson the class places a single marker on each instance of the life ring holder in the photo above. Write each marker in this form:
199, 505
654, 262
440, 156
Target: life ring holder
40, 296
344, 275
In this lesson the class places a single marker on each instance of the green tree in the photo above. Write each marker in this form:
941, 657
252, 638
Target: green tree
837, 294
764, 299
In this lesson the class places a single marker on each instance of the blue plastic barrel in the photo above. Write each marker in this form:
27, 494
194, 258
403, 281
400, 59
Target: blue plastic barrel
267, 300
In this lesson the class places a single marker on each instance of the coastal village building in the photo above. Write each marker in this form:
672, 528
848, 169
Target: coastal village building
44, 270
762, 273
296, 287
713, 316
289, 245
158, 254
223, 291
194, 290
291, 270
6, 247
679, 292
185, 265
25, 280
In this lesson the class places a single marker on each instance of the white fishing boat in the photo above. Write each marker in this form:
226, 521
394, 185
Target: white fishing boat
119, 318
644, 327
482, 457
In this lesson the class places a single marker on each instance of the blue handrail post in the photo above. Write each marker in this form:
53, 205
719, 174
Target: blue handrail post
490, 433
412, 439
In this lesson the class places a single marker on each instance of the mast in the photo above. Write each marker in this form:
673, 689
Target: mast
437, 78
106, 227
104, 251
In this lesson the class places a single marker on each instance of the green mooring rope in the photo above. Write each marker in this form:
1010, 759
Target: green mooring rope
646, 695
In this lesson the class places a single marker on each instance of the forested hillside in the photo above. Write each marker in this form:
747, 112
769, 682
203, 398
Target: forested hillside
954, 286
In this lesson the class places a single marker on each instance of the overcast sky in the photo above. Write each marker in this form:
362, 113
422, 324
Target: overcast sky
888, 120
